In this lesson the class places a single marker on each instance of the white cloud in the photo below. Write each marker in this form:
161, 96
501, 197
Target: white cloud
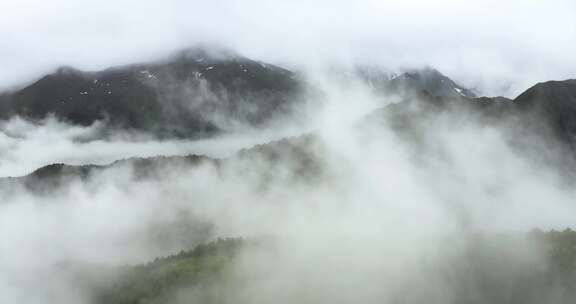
501, 47
21, 141
375, 200
375, 212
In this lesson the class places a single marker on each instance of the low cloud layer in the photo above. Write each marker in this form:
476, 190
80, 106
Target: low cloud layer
26, 146
376, 198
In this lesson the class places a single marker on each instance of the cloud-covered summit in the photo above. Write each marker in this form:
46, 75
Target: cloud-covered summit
497, 47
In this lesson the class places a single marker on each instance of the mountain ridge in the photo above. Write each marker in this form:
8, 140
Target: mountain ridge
180, 96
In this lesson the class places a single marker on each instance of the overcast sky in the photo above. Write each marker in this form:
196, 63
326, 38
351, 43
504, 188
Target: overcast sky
501, 47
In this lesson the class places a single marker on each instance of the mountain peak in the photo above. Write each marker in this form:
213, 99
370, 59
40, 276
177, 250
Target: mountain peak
184, 95
204, 54
550, 93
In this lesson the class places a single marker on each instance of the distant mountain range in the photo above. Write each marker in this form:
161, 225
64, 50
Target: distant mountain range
193, 93
197, 93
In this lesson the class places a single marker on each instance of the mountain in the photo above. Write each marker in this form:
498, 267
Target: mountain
199, 271
413, 82
540, 121
192, 93
485, 264
555, 102
430, 81
54, 177
300, 151
200, 92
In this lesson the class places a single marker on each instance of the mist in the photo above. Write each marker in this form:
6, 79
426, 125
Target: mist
342, 191
355, 210
63, 143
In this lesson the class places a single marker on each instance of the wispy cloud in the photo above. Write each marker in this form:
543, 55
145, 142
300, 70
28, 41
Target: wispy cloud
500, 48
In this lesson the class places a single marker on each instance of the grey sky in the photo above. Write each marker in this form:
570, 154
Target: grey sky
501, 47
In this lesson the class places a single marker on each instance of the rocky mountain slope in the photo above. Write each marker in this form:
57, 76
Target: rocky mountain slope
197, 93
192, 93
